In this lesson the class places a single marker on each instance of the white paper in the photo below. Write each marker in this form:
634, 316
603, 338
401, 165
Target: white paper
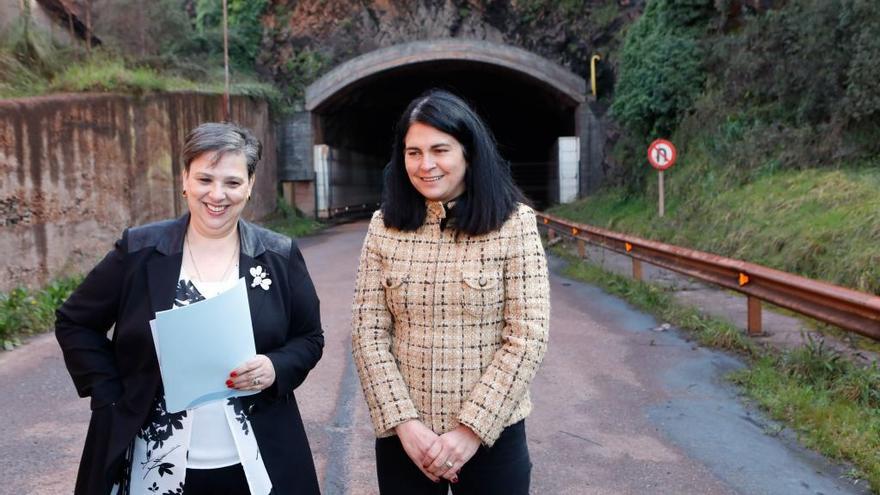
199, 344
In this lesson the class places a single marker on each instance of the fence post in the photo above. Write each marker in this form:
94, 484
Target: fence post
582, 249
754, 324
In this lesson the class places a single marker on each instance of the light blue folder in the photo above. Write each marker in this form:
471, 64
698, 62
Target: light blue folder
199, 344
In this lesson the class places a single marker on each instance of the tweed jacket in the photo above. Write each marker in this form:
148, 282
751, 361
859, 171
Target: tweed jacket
450, 328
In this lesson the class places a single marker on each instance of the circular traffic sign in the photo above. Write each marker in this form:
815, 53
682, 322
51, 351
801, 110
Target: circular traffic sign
662, 154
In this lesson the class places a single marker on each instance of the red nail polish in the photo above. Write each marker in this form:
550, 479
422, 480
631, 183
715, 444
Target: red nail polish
233, 374
229, 385
229, 382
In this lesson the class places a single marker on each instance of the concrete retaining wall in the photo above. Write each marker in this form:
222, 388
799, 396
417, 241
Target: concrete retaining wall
75, 170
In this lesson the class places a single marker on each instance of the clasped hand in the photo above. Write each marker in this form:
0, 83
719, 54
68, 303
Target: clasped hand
438, 456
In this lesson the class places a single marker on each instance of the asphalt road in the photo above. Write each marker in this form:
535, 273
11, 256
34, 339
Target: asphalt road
619, 408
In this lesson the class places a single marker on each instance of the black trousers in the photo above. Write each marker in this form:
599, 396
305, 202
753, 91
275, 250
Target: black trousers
504, 469
228, 480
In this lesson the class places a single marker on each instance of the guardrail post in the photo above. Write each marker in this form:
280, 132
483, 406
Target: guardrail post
582, 249
754, 325
637, 269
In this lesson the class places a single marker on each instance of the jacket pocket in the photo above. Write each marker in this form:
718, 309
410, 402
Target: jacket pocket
395, 291
482, 293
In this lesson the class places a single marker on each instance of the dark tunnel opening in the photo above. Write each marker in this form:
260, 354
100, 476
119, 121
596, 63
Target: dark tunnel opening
525, 115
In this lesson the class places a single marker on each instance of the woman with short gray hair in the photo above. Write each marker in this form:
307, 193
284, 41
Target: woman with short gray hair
244, 444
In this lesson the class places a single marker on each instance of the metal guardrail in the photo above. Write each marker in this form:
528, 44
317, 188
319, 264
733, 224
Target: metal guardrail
856, 311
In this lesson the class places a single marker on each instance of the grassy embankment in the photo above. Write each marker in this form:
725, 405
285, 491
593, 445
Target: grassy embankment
776, 122
818, 223
32, 63
821, 223
105, 72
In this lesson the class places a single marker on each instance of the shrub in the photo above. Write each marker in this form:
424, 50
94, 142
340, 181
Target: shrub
24, 311
661, 72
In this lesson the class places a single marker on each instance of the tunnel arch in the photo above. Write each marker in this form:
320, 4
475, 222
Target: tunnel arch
422, 52
341, 141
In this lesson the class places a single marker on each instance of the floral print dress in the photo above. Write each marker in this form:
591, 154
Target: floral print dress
157, 458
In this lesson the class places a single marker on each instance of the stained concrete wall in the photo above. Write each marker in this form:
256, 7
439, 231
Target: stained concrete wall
75, 170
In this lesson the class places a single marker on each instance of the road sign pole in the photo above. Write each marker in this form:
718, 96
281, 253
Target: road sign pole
660, 184
661, 155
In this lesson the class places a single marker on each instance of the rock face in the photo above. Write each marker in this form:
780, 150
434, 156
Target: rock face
305, 38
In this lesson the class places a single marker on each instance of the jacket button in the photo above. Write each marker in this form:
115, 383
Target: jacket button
483, 281
250, 409
388, 282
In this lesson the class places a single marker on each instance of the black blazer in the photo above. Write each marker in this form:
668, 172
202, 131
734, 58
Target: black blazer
121, 375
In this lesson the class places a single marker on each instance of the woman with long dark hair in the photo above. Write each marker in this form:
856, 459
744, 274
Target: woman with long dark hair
451, 309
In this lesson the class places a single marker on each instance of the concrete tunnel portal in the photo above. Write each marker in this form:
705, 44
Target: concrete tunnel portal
344, 136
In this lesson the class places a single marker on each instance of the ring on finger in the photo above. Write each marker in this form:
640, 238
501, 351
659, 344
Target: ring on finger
448, 464
255, 381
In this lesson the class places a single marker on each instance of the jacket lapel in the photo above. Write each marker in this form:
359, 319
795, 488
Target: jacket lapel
251, 248
163, 270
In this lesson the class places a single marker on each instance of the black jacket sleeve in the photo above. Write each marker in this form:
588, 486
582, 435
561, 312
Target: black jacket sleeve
305, 338
82, 324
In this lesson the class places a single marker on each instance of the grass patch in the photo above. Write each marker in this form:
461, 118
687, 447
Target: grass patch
29, 311
821, 414
818, 223
108, 74
33, 63
105, 72
832, 404
291, 222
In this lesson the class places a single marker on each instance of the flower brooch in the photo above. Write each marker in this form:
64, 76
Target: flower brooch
261, 278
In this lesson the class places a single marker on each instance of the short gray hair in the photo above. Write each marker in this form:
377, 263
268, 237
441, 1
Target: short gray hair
222, 138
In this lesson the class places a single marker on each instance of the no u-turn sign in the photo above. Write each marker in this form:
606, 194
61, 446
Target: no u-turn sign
661, 154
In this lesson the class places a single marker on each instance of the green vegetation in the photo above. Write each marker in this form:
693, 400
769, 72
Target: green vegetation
105, 73
819, 223
661, 73
776, 117
833, 405
25, 312
245, 29
161, 50
300, 70
793, 388
604, 15
291, 222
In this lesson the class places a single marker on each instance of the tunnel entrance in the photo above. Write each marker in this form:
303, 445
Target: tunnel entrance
528, 102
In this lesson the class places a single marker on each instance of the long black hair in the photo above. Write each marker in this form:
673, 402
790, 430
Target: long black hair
490, 195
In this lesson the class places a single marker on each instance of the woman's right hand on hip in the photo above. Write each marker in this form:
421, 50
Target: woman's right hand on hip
416, 439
